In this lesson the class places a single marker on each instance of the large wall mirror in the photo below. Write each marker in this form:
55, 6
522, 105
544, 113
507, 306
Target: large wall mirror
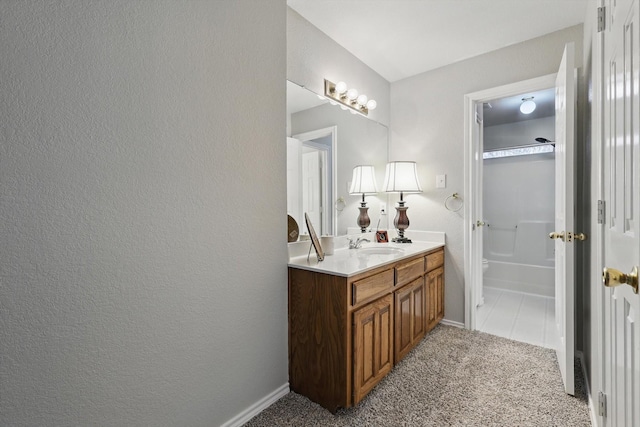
324, 144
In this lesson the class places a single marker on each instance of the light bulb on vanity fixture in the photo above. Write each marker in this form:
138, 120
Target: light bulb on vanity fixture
363, 182
347, 97
527, 106
341, 87
401, 177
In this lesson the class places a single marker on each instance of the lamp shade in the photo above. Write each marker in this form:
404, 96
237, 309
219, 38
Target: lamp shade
363, 180
401, 177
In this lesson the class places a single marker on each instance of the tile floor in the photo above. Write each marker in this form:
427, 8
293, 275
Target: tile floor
518, 316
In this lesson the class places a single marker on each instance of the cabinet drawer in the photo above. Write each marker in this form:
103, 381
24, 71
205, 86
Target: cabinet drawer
366, 289
409, 270
434, 260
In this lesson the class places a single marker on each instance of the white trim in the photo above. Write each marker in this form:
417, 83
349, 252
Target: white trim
592, 406
452, 323
253, 410
597, 291
470, 100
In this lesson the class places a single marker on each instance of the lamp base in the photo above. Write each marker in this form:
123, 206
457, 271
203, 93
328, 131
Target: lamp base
401, 222
363, 219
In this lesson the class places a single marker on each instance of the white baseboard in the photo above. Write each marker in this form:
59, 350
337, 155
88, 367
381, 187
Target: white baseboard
452, 323
257, 407
592, 406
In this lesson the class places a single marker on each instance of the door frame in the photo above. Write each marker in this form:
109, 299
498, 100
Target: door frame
594, 375
473, 259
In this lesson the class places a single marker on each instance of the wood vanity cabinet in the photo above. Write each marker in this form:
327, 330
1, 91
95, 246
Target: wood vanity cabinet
435, 297
435, 288
372, 345
410, 317
347, 333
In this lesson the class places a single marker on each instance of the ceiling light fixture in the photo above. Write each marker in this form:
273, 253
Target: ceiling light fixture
527, 106
340, 93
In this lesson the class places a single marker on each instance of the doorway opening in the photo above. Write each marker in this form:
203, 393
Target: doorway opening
564, 84
517, 289
473, 210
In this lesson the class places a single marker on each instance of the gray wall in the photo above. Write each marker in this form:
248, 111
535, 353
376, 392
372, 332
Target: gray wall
312, 56
518, 133
143, 263
427, 125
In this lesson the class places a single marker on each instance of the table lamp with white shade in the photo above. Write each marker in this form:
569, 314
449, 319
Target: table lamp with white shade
363, 182
401, 177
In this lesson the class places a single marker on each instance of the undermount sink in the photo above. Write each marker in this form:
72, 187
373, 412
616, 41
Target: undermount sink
375, 250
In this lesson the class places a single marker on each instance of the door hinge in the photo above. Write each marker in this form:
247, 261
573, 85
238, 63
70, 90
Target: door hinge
601, 17
601, 207
602, 404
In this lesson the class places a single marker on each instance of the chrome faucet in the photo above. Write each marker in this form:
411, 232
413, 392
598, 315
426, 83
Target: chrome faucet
357, 243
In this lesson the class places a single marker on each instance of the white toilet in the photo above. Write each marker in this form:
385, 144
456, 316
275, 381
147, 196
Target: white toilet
485, 265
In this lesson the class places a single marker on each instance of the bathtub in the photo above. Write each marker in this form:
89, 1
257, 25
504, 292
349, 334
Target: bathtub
531, 279
521, 256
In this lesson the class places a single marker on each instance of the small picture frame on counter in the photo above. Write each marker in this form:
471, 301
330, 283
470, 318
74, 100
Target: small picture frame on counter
315, 242
382, 236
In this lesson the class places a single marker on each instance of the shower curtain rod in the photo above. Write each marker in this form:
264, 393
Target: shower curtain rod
515, 147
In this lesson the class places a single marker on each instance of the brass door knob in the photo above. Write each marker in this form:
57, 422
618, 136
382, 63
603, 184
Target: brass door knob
612, 278
480, 223
580, 236
555, 235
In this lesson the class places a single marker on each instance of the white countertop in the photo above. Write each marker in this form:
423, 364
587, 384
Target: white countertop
348, 262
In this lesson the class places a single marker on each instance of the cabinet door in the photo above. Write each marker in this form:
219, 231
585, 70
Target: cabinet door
435, 297
410, 317
372, 345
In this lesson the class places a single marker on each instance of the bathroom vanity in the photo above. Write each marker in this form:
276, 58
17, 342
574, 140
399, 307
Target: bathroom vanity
355, 315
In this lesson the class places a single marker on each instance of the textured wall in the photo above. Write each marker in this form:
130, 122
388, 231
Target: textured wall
143, 263
427, 125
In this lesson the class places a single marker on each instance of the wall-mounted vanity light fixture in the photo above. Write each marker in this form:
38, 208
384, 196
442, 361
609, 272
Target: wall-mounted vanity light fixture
527, 106
345, 97
363, 182
401, 177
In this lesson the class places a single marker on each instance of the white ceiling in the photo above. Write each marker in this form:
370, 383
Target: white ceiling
402, 38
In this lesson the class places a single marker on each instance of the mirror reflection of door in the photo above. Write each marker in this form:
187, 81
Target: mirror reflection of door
312, 188
310, 179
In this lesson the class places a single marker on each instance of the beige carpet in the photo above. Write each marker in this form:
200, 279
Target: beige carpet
454, 378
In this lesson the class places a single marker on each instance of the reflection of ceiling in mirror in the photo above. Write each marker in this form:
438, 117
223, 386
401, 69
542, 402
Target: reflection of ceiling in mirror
300, 99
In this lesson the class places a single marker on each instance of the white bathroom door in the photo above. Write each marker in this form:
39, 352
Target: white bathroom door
312, 187
621, 331
564, 216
